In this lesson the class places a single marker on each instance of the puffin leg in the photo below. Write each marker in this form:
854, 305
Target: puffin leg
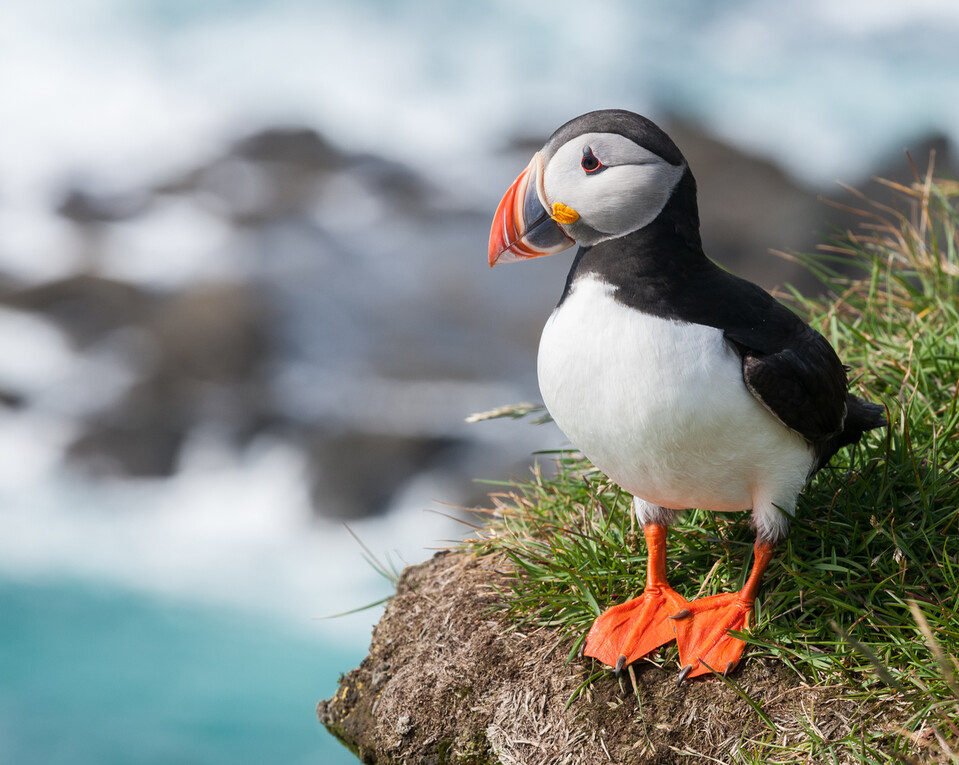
633, 629
702, 627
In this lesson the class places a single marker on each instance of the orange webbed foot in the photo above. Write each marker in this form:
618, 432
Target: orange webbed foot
702, 633
702, 628
633, 629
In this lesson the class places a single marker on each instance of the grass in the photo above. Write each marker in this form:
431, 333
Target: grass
864, 593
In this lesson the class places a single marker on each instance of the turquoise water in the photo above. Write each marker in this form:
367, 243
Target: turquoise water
92, 675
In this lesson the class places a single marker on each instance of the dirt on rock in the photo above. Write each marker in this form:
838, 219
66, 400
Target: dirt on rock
448, 681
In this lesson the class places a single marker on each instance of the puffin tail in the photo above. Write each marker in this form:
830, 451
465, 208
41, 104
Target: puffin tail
860, 416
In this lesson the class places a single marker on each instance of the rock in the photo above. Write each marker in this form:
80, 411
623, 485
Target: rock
86, 207
285, 172
200, 353
268, 175
141, 436
355, 474
12, 400
301, 147
207, 364
215, 333
447, 680
85, 306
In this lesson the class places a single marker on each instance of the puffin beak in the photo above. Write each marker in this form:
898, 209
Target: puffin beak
522, 227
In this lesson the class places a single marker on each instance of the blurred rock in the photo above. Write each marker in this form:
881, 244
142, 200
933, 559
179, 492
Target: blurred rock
86, 207
217, 333
356, 474
210, 354
299, 147
267, 175
284, 172
12, 400
85, 306
141, 436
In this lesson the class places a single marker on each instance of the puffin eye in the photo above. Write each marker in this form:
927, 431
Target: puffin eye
590, 163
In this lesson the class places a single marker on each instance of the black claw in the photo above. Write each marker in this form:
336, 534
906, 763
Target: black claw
684, 673
729, 668
620, 663
680, 614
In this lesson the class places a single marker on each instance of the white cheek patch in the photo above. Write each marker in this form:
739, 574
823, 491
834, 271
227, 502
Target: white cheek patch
628, 197
625, 196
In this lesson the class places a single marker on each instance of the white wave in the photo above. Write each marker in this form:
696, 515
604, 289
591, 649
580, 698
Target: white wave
35, 352
175, 244
40, 365
34, 245
111, 90
227, 530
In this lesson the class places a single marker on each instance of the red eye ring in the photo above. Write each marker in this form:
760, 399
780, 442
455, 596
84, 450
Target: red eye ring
590, 163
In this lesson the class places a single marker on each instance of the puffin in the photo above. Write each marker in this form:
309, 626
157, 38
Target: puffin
688, 386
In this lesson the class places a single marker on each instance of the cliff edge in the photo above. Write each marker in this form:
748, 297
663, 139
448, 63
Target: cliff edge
448, 681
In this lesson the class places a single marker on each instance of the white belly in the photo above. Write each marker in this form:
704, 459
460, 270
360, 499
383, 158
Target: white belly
660, 406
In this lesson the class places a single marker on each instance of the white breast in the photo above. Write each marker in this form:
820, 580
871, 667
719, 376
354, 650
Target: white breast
660, 406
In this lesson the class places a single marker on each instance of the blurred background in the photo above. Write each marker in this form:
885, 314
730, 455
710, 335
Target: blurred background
244, 298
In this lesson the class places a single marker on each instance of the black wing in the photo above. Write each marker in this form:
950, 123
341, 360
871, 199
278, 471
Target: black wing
803, 384
787, 365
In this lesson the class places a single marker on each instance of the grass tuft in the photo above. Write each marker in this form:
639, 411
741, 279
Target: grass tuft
864, 592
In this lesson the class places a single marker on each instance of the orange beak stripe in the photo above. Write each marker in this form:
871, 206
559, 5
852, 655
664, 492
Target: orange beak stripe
522, 228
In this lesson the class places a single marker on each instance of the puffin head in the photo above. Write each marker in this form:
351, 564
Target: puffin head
600, 176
